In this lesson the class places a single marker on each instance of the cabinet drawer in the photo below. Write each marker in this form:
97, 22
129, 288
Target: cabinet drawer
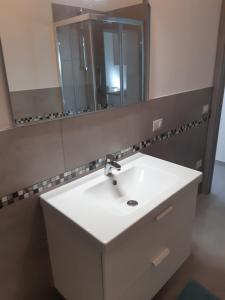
149, 282
141, 262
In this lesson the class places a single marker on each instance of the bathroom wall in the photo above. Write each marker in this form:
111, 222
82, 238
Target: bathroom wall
26, 30
220, 152
35, 153
5, 113
182, 60
28, 43
183, 42
183, 45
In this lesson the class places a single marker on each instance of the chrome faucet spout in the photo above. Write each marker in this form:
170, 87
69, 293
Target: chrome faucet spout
111, 164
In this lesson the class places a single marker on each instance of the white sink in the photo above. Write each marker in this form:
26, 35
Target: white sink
101, 208
140, 183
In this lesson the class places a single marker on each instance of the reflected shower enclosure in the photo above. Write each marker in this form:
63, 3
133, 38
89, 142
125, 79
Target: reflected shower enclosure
101, 62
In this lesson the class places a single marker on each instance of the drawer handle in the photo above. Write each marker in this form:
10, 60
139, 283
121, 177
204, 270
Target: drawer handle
164, 213
162, 256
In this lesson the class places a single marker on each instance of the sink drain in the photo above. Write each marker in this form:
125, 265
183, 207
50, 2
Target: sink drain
132, 203
114, 182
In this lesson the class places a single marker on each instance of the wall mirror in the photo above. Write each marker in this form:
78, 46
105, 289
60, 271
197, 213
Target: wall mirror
69, 57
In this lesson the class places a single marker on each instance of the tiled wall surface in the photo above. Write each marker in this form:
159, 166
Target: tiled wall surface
36, 102
74, 173
185, 149
34, 153
31, 154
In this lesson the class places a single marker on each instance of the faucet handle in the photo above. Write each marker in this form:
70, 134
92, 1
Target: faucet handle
110, 157
110, 164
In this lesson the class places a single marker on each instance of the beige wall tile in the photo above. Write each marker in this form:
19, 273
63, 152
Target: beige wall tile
29, 154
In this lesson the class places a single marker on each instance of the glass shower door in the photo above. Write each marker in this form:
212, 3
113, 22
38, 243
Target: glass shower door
76, 68
107, 59
132, 57
101, 63
118, 57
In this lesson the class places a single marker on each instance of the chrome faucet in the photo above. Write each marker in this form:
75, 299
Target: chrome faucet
111, 164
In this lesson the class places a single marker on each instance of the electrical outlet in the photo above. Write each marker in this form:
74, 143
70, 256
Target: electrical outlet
205, 109
198, 164
157, 125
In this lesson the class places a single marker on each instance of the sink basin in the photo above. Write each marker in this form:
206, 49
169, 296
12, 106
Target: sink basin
134, 183
100, 204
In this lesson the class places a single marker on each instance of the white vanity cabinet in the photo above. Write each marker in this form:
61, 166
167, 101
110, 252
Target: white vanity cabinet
132, 266
137, 265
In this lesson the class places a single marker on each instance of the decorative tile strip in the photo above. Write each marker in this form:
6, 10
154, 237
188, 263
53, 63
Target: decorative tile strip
68, 176
50, 183
51, 116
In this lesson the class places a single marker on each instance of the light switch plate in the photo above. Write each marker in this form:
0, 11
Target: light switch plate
205, 109
198, 164
157, 125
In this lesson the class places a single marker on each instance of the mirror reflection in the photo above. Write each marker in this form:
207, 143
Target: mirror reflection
72, 57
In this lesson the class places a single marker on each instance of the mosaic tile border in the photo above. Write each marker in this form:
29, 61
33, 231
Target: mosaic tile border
55, 116
51, 116
68, 176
